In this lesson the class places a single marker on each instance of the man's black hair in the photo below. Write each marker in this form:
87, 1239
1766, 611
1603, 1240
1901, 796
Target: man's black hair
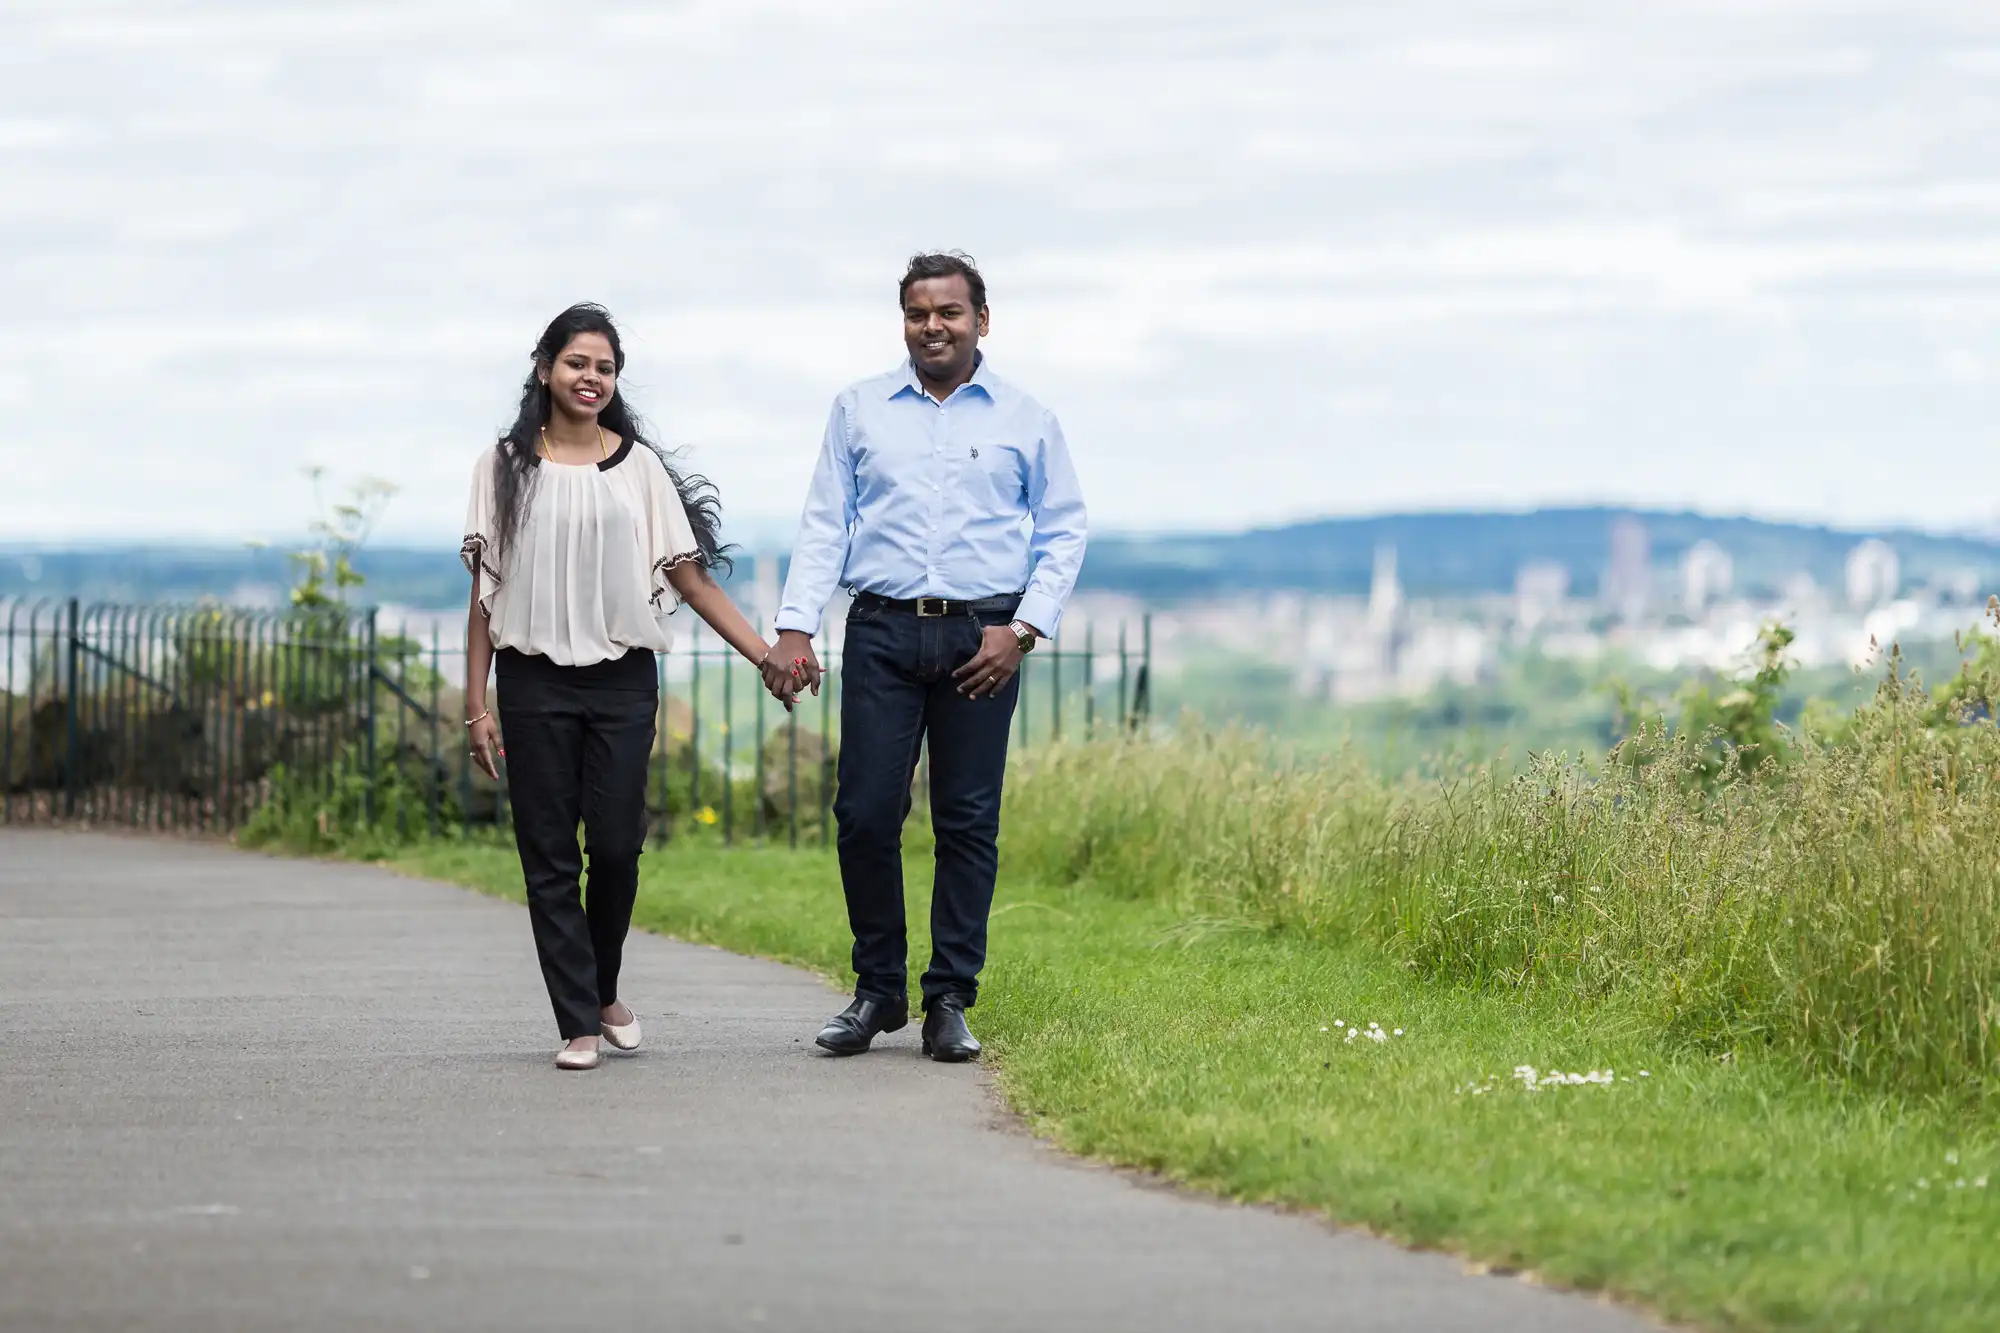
943, 265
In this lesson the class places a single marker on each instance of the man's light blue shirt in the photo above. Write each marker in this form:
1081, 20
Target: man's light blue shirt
971, 497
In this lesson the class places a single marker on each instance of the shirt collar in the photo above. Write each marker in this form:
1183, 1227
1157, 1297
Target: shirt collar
907, 382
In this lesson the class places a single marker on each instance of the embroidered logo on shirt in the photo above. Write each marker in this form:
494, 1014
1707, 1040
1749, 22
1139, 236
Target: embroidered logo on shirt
975, 453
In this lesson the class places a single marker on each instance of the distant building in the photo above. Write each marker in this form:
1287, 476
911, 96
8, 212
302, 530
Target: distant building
1707, 574
1385, 592
1874, 574
1540, 589
765, 591
1628, 580
1959, 586
1801, 598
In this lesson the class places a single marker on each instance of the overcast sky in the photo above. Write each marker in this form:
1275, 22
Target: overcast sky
1265, 260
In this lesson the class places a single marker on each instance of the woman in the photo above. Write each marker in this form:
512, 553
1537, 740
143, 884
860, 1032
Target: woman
581, 540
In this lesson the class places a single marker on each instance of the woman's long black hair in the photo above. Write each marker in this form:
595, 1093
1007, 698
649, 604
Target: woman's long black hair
514, 458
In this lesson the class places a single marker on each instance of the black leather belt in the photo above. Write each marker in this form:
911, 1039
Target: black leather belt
929, 608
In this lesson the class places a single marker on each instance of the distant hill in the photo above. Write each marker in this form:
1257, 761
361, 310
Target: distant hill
1480, 552
249, 575
1436, 553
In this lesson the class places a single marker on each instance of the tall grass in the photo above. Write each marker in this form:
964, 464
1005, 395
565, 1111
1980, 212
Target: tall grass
1842, 907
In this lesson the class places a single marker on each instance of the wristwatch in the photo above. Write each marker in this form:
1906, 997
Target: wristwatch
1023, 635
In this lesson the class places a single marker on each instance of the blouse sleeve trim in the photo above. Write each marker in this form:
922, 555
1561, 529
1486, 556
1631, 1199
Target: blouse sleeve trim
665, 565
472, 553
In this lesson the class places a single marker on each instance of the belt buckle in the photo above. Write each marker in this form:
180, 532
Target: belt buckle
930, 608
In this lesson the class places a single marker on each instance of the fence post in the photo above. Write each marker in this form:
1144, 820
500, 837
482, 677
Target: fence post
656, 762
368, 721
694, 725
1021, 696
825, 758
1055, 693
757, 824
1124, 705
70, 740
7, 767
434, 778
1143, 700
1090, 680
728, 756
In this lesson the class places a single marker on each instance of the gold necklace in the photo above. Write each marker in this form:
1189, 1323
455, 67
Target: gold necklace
603, 449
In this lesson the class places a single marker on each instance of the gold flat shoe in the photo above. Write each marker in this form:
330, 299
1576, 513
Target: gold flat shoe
568, 1059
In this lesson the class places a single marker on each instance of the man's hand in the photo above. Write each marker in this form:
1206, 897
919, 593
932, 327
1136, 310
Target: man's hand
794, 656
999, 657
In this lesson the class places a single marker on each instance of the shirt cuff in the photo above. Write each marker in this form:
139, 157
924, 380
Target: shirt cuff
790, 618
1042, 611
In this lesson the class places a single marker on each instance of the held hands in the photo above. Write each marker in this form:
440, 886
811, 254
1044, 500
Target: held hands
998, 658
790, 667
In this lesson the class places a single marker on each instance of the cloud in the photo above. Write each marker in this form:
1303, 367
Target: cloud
1278, 260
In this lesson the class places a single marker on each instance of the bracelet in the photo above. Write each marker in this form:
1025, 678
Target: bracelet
481, 718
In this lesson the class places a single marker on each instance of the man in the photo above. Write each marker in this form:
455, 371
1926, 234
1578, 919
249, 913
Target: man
944, 498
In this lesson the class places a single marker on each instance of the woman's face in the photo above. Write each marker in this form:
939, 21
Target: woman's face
583, 378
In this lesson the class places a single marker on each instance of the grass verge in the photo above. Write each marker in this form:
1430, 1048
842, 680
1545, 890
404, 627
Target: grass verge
1738, 1193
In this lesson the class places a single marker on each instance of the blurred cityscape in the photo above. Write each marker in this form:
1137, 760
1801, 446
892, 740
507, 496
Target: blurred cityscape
1680, 616
1413, 635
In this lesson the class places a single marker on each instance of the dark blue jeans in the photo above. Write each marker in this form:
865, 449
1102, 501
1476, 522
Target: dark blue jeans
896, 691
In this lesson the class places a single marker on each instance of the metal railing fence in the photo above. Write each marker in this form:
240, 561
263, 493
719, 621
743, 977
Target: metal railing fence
209, 718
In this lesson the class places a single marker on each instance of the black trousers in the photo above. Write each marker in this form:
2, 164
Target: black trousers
896, 689
578, 741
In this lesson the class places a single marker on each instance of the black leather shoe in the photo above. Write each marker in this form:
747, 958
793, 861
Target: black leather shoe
946, 1037
850, 1031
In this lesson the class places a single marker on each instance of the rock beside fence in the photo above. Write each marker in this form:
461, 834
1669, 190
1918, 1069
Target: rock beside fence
798, 777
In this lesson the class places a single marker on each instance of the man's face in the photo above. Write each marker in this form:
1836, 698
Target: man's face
941, 327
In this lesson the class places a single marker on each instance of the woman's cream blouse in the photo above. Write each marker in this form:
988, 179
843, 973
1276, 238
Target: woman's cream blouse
586, 578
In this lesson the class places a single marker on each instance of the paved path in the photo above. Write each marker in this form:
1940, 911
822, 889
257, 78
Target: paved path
239, 1093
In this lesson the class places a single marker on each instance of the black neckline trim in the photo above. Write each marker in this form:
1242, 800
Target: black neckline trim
602, 464
617, 456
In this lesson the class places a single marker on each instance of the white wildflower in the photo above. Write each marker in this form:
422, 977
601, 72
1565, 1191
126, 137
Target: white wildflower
1531, 1080
1951, 1157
